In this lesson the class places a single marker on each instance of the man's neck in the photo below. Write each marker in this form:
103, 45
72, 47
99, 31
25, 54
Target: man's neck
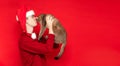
29, 28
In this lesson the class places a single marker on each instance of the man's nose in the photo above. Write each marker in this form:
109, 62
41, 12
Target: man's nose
36, 17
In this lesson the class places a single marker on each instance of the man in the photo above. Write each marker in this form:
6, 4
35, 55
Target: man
33, 51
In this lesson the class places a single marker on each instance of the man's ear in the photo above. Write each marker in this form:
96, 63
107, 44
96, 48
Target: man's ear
26, 18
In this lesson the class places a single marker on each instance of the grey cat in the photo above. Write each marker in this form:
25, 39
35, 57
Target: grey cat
59, 31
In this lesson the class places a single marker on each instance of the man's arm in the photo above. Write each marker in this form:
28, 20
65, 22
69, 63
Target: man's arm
33, 46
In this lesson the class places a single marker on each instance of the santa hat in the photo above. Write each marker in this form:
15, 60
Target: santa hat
21, 16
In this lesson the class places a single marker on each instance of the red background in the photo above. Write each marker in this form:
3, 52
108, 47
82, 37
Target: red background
92, 27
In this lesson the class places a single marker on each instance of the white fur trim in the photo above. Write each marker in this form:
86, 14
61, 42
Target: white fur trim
33, 36
17, 18
30, 13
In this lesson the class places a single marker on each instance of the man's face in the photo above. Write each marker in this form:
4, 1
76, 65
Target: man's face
31, 21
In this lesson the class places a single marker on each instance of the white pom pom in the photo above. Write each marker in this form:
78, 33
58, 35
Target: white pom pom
17, 18
33, 36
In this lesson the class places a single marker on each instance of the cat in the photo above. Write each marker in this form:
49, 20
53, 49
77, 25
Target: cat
59, 31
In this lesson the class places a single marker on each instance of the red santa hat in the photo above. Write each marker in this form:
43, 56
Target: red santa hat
21, 16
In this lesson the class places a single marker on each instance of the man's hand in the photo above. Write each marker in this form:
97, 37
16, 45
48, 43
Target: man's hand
49, 21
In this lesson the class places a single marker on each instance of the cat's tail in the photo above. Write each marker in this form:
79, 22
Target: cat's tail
61, 51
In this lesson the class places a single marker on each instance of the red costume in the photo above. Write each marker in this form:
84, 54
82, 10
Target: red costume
33, 51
